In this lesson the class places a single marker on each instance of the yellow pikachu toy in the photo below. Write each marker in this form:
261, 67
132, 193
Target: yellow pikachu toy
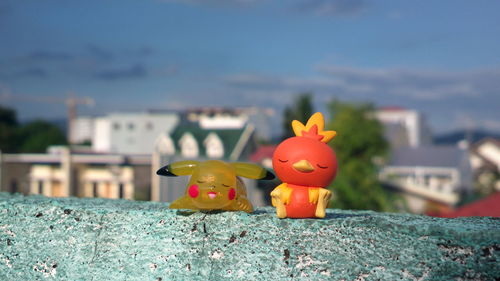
214, 184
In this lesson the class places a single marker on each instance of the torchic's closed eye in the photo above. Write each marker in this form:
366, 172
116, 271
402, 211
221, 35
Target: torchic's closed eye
306, 165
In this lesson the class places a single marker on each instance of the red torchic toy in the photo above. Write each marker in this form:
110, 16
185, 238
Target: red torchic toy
306, 165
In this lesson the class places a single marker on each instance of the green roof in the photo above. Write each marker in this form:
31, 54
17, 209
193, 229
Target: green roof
229, 137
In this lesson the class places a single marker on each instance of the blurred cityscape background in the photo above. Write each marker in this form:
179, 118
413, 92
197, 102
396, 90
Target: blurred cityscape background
95, 96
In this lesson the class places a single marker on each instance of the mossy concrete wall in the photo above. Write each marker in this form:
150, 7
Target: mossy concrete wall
96, 239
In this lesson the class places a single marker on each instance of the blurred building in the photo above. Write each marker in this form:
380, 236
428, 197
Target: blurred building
233, 118
62, 174
83, 130
127, 149
194, 142
129, 133
136, 132
404, 127
429, 177
264, 155
485, 162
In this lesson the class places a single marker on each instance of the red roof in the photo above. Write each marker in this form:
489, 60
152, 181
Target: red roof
487, 207
264, 151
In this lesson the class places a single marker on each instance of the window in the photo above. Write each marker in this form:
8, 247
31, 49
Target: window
95, 190
189, 146
164, 145
131, 126
215, 150
116, 126
13, 186
40, 187
121, 190
149, 126
214, 146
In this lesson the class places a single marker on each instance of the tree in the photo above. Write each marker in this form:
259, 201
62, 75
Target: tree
37, 135
359, 142
8, 127
300, 110
34, 136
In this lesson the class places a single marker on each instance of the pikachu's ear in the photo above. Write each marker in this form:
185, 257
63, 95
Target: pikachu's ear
252, 171
181, 168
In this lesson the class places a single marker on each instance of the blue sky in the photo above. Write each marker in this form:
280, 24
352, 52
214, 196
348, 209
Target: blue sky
439, 57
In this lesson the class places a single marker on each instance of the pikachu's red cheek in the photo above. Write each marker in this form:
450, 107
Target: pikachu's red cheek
231, 194
193, 191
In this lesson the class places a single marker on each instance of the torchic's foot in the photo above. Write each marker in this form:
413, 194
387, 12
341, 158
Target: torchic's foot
278, 203
320, 213
281, 211
324, 198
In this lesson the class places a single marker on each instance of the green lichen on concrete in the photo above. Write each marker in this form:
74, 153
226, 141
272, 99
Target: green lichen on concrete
97, 239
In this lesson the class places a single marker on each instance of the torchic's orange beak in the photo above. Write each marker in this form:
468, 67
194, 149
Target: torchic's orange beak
303, 166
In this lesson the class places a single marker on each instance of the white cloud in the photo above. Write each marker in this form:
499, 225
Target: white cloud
233, 3
438, 94
416, 83
327, 8
333, 7
491, 124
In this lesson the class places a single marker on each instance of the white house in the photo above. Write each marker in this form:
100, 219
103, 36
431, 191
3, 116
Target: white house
133, 133
404, 127
137, 132
62, 174
127, 133
83, 129
429, 176
233, 118
485, 162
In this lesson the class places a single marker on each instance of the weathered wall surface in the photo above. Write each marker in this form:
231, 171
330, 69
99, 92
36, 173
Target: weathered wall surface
95, 239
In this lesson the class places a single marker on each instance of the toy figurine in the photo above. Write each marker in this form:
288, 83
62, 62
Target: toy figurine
214, 185
306, 165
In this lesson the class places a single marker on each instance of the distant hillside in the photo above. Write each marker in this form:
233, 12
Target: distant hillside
456, 136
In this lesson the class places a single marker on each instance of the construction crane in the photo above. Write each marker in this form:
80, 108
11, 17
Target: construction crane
71, 102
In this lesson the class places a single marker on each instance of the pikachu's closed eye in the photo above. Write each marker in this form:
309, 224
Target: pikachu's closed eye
214, 184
